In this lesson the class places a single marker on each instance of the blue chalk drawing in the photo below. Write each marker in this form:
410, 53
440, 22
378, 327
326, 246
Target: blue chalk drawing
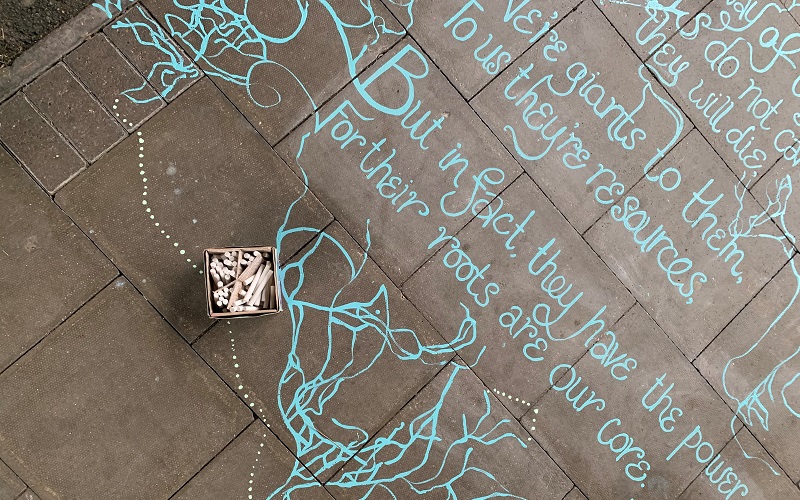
166, 73
229, 46
216, 35
754, 407
302, 396
226, 43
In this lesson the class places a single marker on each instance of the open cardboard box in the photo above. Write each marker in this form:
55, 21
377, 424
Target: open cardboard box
272, 253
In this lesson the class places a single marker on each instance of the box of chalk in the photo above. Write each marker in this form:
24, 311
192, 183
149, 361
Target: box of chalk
242, 282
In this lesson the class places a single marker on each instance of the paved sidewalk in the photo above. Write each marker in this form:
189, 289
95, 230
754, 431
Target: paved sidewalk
530, 249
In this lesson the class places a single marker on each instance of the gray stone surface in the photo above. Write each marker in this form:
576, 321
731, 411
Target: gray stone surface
460, 406
254, 464
520, 350
442, 179
143, 41
471, 42
156, 201
459, 248
74, 112
753, 365
748, 109
719, 261
114, 404
646, 26
50, 49
252, 355
48, 268
561, 140
575, 494
756, 477
112, 79
10, 485
278, 83
39, 147
678, 401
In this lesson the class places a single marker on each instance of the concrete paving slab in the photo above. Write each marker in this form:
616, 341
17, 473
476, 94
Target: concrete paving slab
732, 88
533, 305
435, 164
446, 441
114, 404
368, 347
732, 471
593, 408
694, 255
48, 267
646, 26
585, 134
289, 57
472, 41
74, 112
156, 55
35, 142
753, 365
195, 176
10, 485
254, 465
114, 81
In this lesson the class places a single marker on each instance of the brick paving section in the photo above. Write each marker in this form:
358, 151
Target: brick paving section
528, 249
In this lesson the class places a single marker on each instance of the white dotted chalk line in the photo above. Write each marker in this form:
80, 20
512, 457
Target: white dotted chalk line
124, 120
149, 210
240, 386
508, 396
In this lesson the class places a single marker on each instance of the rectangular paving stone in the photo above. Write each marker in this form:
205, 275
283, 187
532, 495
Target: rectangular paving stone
534, 298
445, 444
472, 41
694, 255
584, 132
644, 410
646, 26
114, 404
74, 112
195, 176
408, 180
288, 59
48, 267
330, 371
46, 154
733, 89
255, 464
157, 56
732, 471
114, 81
753, 364
10, 485
28, 495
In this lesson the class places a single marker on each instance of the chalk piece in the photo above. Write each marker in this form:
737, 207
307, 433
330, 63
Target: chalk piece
250, 308
253, 281
272, 297
261, 284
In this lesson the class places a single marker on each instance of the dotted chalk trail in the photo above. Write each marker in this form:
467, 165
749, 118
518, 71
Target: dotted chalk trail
148, 209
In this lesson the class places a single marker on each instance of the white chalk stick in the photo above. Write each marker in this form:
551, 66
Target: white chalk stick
250, 308
261, 284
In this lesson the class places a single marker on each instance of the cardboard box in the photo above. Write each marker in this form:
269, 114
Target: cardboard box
214, 311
